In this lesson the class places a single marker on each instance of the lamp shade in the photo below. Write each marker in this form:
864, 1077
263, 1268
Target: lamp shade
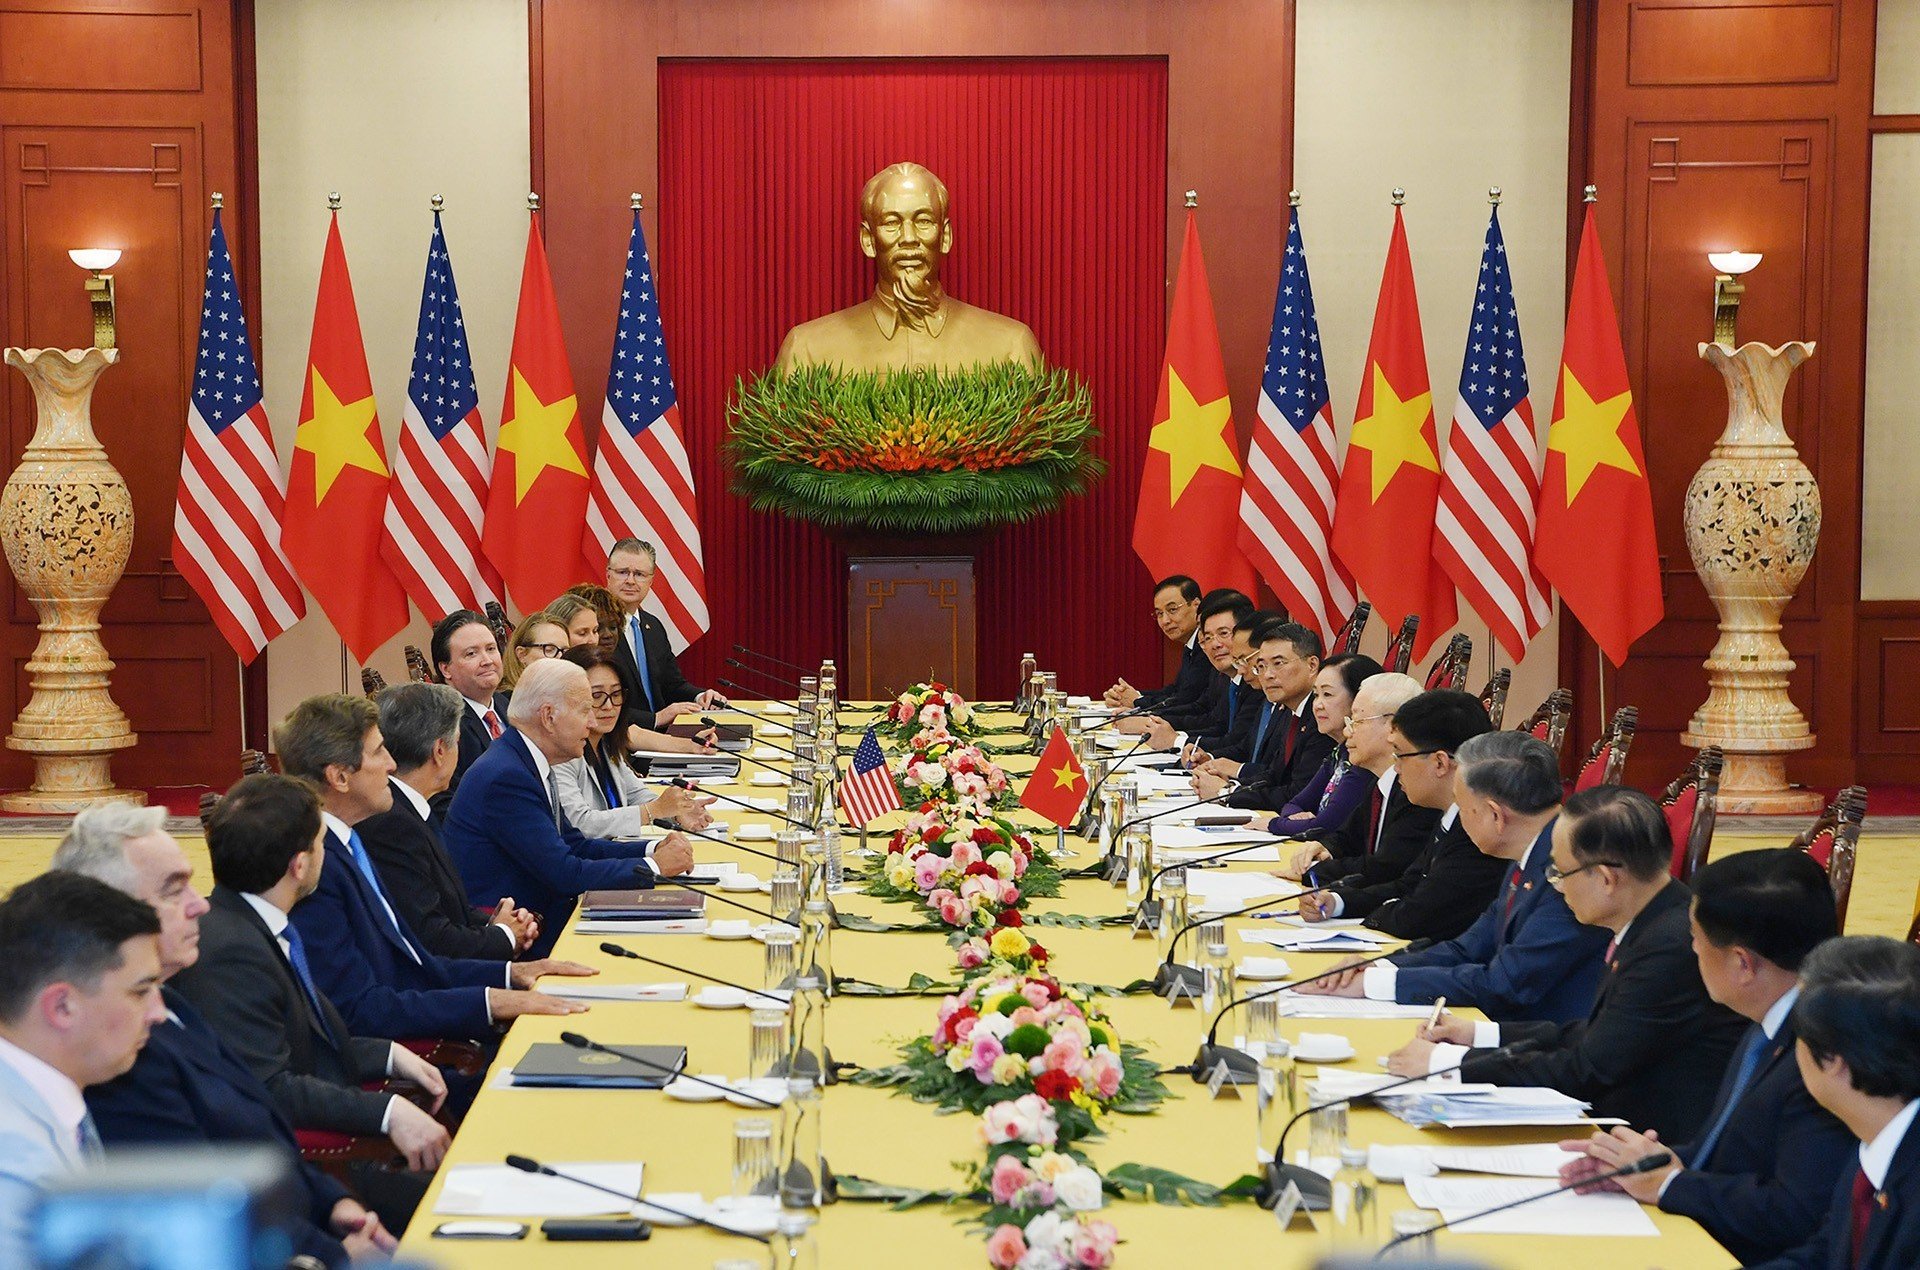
1733, 262
94, 258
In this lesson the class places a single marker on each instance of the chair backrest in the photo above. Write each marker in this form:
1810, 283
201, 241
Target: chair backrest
208, 801
372, 682
1691, 804
1913, 931
1549, 719
1400, 651
1348, 640
1494, 695
1449, 669
1608, 758
1833, 840
417, 668
502, 628
254, 763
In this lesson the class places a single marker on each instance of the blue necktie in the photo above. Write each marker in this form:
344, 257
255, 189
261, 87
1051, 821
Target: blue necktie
297, 958
1750, 1056
364, 863
640, 660
89, 1137
1232, 689
1260, 733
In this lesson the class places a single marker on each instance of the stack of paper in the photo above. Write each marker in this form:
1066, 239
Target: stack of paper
1317, 939
1458, 1198
576, 990
1225, 892
1334, 1083
1535, 1159
1205, 839
1509, 1105
495, 1190
1299, 1005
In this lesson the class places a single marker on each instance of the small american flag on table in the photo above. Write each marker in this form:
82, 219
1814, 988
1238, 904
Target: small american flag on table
868, 790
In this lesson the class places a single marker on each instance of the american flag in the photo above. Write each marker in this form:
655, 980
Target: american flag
1490, 481
868, 790
1293, 472
439, 492
226, 517
642, 486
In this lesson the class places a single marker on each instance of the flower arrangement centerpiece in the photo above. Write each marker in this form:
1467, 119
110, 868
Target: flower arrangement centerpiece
926, 708
971, 872
940, 768
1039, 1198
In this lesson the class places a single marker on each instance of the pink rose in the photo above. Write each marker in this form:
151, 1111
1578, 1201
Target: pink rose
1024, 1015
1009, 1175
927, 870
1102, 1074
1035, 993
933, 715
1005, 1247
964, 854
953, 910
1065, 1055
987, 1051
1093, 1245
1009, 893
972, 955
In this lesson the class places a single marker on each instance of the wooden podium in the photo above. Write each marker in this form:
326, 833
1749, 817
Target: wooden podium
910, 617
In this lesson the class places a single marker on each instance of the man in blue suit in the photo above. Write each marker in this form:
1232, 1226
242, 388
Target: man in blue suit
187, 1086
1859, 1052
1526, 957
79, 989
364, 958
1759, 1173
506, 831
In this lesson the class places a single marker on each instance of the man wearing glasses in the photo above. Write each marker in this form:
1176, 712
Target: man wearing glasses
1655, 1044
1387, 830
1176, 611
656, 692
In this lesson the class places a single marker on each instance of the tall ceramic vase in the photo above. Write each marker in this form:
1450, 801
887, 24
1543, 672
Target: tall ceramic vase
68, 524
1753, 520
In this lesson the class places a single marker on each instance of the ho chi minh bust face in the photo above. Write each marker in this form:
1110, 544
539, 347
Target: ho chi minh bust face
904, 230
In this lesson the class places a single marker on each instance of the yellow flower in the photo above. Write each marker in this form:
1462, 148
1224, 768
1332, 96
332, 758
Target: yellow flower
1008, 942
1008, 1068
900, 871
1050, 1166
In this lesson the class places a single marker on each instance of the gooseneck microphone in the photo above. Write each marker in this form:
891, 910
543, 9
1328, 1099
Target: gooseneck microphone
1646, 1164
1212, 1054
767, 675
778, 661
580, 1042
833, 914
756, 993
715, 895
682, 782
736, 708
527, 1164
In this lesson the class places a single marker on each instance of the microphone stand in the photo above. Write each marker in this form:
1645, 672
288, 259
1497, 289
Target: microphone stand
704, 893
1211, 1055
1646, 1164
580, 1042
527, 1164
1113, 873
833, 914
778, 661
1093, 810
683, 783
753, 993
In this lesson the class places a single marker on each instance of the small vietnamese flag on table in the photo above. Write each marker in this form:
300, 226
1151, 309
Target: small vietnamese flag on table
1058, 785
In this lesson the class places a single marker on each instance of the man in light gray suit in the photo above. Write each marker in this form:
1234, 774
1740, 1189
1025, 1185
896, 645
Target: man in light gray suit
79, 989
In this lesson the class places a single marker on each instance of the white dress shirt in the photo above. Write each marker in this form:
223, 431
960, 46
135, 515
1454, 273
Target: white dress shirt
56, 1089
1876, 1157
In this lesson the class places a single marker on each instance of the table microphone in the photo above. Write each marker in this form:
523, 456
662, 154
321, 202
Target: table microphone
682, 782
1646, 1164
833, 914
715, 895
1123, 826
760, 993
706, 719
778, 661
768, 675
737, 709
1168, 972
527, 1164
580, 1042
1093, 791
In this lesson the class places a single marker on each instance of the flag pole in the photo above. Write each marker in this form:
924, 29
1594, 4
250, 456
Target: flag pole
343, 667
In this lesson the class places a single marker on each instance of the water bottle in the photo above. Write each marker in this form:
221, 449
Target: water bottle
830, 846
1173, 908
1217, 965
1029, 666
793, 1246
1276, 1096
1353, 1219
802, 1168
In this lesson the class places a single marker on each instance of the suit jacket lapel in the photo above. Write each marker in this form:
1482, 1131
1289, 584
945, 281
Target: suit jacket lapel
1885, 1213
374, 902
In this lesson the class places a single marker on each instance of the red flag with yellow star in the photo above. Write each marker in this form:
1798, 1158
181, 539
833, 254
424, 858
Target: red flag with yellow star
1188, 517
1058, 785
337, 488
538, 495
1595, 541
1390, 481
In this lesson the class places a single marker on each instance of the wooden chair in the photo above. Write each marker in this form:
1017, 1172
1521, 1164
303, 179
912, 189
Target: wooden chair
417, 668
254, 763
1549, 721
1833, 840
1913, 931
1449, 669
1691, 804
1494, 695
502, 628
1609, 754
1348, 640
1400, 652
372, 682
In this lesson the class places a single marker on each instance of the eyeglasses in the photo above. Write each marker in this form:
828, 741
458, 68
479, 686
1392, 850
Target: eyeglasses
630, 575
1555, 877
1366, 718
1173, 610
1399, 757
545, 650
610, 697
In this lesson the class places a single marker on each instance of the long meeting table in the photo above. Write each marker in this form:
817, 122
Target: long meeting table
882, 1136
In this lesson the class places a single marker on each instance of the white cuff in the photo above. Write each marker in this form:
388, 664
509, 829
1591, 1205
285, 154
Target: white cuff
1379, 981
487, 996
1339, 905
1665, 1182
1486, 1036
393, 1053
386, 1118
513, 940
1445, 1057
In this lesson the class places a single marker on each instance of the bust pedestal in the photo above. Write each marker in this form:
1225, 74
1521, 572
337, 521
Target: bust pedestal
1752, 522
67, 520
910, 614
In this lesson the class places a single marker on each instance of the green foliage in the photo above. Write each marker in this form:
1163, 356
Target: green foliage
914, 451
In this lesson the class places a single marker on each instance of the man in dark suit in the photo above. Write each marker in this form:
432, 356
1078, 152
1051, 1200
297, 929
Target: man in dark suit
364, 958
1760, 1171
1213, 707
1387, 830
1176, 611
656, 691
1287, 746
254, 985
187, 1086
1858, 1020
466, 656
1655, 1044
1525, 957
506, 831
1450, 881
1243, 696
420, 723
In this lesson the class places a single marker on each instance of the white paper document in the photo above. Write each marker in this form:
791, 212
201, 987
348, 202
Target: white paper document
1298, 1005
614, 926
494, 1190
1221, 892
1567, 1214
575, 990
1312, 940
1535, 1159
1172, 837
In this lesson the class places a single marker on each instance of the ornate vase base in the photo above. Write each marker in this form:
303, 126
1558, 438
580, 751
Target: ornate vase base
1756, 785
49, 802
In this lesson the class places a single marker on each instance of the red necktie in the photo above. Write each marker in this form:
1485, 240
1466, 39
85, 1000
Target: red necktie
1608, 956
1374, 808
1293, 732
1513, 888
493, 724
1862, 1211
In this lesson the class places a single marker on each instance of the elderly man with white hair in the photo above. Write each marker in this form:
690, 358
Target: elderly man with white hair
506, 829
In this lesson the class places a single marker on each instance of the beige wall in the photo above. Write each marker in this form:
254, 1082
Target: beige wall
1889, 566
1442, 98
390, 104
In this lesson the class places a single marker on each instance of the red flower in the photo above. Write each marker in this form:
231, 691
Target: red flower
949, 1028
985, 837
979, 867
898, 842
1056, 1086
932, 835
1009, 917
1036, 952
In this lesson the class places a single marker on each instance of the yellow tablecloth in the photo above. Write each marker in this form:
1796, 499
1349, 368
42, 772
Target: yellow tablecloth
886, 1137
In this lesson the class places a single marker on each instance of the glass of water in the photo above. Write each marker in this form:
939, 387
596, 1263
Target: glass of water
1326, 1136
786, 894
782, 944
766, 1043
752, 1156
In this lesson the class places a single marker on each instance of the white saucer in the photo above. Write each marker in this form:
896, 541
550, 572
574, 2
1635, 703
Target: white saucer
681, 1089
774, 729
753, 833
767, 1089
767, 778
767, 754
680, 1201
779, 707
715, 997
749, 1214
730, 929
1323, 1047
740, 882
1256, 968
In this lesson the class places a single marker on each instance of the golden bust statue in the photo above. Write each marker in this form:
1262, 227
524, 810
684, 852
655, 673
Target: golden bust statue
909, 320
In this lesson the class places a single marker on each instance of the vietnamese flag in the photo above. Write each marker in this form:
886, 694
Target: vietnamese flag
537, 497
1390, 482
1058, 785
337, 487
1188, 517
1595, 541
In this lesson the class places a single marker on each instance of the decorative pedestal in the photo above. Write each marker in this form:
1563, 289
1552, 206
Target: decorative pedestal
67, 520
1752, 521
909, 617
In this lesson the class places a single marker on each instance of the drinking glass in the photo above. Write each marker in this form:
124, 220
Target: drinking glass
766, 1042
1326, 1135
786, 894
752, 1156
1263, 1020
783, 943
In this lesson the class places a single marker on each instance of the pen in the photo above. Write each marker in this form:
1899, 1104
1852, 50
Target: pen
1439, 1008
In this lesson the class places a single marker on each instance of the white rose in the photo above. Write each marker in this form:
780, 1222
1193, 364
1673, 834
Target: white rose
1079, 1189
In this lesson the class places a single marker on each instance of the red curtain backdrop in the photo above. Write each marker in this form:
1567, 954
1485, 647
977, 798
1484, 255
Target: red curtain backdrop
1057, 170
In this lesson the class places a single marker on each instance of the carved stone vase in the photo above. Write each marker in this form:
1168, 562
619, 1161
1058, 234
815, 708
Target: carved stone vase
67, 520
1753, 520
